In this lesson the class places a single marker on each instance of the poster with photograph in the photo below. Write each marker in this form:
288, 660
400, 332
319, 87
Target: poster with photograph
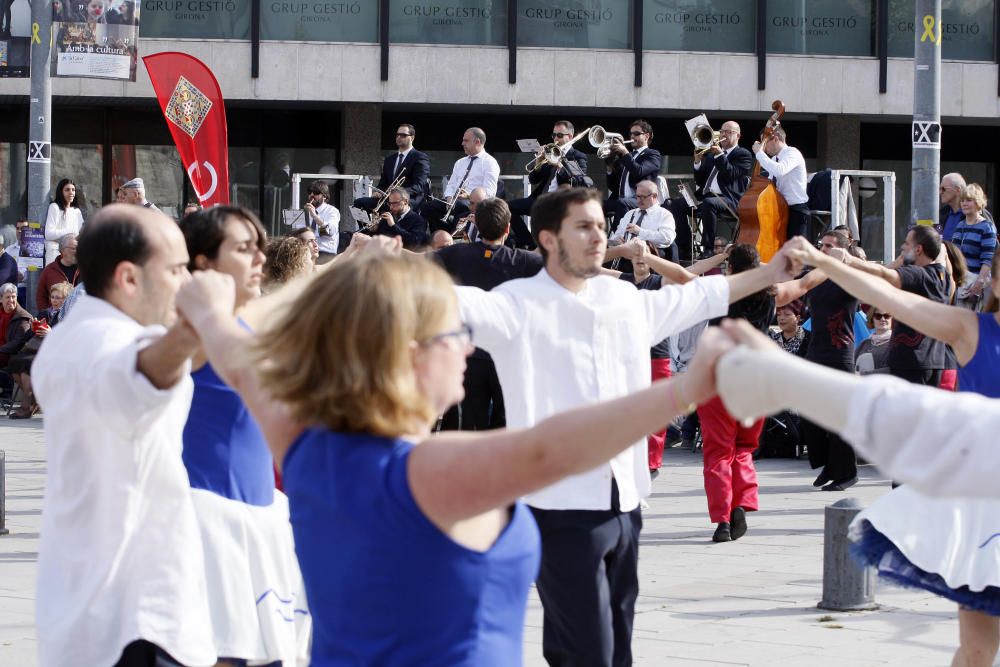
15, 38
95, 38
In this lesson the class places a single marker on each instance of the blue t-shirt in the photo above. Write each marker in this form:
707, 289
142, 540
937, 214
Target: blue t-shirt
224, 449
386, 586
980, 374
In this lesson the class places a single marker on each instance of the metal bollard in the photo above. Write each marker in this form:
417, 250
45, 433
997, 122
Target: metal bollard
847, 585
3, 493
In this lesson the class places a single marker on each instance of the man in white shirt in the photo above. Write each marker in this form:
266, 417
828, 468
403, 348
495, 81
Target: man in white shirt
650, 222
787, 168
568, 337
323, 219
120, 573
478, 169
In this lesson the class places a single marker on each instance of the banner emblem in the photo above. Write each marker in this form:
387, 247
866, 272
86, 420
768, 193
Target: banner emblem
188, 107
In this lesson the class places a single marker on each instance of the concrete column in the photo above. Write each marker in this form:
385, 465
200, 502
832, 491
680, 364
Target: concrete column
360, 148
838, 143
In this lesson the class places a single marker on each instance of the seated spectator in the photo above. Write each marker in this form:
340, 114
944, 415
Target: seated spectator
62, 270
15, 324
976, 237
790, 334
20, 363
8, 265
872, 356
285, 258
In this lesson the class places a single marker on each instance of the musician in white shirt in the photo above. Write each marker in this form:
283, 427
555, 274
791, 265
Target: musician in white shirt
478, 169
650, 222
787, 167
568, 337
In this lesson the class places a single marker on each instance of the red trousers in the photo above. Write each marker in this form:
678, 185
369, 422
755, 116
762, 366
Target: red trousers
730, 478
661, 370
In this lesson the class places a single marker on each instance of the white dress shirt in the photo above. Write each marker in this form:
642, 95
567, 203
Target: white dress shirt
329, 240
555, 350
788, 168
485, 173
657, 226
120, 557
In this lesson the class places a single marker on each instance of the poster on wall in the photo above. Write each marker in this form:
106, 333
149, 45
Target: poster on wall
15, 38
96, 39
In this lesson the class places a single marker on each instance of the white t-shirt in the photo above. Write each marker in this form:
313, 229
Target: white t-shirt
120, 556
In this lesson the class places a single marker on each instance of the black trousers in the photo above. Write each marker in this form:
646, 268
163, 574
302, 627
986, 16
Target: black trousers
828, 450
142, 653
708, 211
798, 220
588, 584
482, 408
433, 210
521, 233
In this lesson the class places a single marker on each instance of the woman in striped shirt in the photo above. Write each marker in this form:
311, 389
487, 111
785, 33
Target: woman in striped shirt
976, 237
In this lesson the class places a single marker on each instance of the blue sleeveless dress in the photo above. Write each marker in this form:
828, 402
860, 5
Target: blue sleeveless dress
255, 591
948, 546
387, 586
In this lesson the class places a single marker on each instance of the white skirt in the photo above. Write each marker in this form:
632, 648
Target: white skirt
949, 546
255, 590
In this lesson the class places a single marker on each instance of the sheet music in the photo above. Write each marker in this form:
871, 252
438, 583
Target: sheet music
529, 145
360, 216
294, 217
688, 196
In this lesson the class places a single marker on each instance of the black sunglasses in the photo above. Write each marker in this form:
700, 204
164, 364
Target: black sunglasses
403, 134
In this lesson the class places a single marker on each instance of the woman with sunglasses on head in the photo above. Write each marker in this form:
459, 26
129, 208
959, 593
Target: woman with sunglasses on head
872, 355
412, 555
953, 556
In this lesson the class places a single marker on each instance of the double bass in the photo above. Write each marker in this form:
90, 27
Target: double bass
763, 212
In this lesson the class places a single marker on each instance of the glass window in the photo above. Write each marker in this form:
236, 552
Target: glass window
821, 27
160, 169
967, 31
204, 19
696, 25
583, 24
337, 21
82, 165
473, 22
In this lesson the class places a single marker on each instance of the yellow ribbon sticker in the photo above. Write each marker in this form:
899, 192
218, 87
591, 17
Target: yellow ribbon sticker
35, 37
929, 30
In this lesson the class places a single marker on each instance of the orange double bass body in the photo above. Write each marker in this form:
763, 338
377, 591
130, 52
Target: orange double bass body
763, 212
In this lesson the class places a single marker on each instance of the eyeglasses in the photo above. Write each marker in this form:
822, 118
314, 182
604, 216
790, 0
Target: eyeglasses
881, 316
398, 202
403, 134
560, 135
461, 335
636, 134
638, 196
728, 132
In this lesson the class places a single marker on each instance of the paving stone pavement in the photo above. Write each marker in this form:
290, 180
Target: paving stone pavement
750, 602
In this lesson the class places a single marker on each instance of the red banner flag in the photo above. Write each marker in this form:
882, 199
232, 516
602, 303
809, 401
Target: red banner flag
192, 103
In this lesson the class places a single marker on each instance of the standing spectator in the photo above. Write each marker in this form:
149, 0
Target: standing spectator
872, 356
64, 217
950, 214
730, 477
135, 193
976, 237
63, 270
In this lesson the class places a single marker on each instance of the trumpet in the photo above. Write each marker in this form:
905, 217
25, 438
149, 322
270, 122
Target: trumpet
373, 225
601, 139
553, 153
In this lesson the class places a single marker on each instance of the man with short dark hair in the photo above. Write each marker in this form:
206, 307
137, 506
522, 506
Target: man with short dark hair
407, 162
787, 167
115, 384
627, 168
568, 337
402, 221
323, 219
484, 263
62, 270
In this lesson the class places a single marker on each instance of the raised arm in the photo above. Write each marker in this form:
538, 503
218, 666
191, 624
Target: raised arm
164, 362
490, 470
779, 269
788, 291
955, 326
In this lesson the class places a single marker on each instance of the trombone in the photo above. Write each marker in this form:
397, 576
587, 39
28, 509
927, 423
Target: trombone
601, 139
703, 136
553, 153
373, 225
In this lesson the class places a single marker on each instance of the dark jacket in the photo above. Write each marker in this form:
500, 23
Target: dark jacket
411, 228
644, 167
8, 268
541, 177
415, 179
733, 177
18, 332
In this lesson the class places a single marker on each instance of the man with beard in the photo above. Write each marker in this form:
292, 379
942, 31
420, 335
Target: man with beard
565, 338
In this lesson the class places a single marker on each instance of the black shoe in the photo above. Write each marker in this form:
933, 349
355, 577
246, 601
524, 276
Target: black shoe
739, 523
842, 485
822, 479
654, 473
722, 532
